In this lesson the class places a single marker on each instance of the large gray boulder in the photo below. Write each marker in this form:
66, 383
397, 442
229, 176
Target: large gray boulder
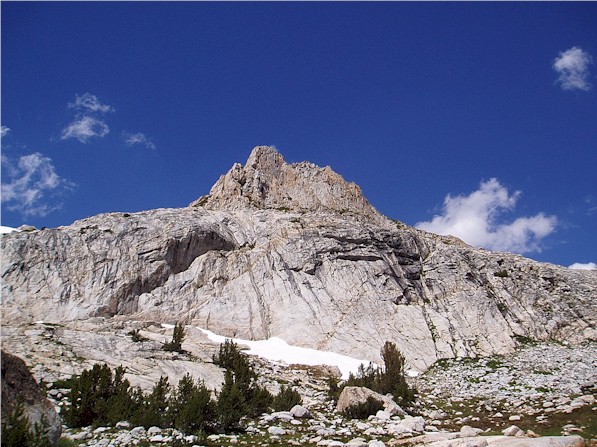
356, 395
19, 386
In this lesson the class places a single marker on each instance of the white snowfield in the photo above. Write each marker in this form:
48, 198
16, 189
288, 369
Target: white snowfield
277, 350
6, 230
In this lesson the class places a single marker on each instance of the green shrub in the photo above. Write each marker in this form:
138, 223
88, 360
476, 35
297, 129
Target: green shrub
257, 399
286, 399
334, 389
16, 431
177, 337
136, 336
152, 411
98, 397
364, 409
65, 442
390, 379
231, 404
191, 409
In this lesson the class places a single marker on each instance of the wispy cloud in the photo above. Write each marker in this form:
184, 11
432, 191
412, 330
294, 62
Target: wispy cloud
4, 131
87, 122
138, 138
91, 103
473, 218
84, 128
583, 266
33, 185
572, 66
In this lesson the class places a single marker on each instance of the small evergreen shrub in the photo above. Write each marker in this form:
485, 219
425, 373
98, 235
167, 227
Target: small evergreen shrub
16, 430
364, 409
334, 389
177, 337
389, 379
231, 406
257, 400
191, 409
286, 399
136, 336
98, 397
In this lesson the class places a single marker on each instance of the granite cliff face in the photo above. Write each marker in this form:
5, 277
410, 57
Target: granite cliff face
296, 252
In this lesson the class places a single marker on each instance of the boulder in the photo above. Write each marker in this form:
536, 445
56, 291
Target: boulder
300, 412
513, 430
18, 385
355, 395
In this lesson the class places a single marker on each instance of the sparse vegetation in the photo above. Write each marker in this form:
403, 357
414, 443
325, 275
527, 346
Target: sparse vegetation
100, 396
16, 430
286, 399
175, 345
389, 379
364, 409
136, 336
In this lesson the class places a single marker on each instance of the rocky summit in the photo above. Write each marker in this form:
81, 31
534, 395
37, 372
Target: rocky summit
296, 252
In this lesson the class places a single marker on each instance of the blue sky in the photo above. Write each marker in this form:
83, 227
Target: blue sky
477, 119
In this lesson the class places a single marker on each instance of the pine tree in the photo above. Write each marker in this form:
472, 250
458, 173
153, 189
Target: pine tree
191, 409
231, 405
153, 412
286, 399
178, 336
15, 433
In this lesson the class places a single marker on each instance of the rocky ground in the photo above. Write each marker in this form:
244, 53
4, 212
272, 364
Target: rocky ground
541, 390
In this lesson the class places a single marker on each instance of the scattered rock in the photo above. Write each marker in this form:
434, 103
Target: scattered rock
276, 431
300, 412
513, 430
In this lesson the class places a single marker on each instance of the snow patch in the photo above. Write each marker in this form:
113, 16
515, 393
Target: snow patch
277, 350
7, 230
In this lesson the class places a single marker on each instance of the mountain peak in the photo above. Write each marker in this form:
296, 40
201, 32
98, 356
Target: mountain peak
267, 181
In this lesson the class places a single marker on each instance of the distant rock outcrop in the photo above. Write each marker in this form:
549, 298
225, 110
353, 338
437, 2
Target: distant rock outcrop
19, 386
268, 182
296, 252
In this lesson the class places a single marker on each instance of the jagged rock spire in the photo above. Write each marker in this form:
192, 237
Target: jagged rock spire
266, 181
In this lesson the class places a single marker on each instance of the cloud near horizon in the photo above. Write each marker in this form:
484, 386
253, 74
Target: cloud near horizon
138, 138
4, 131
583, 266
572, 66
87, 123
473, 219
33, 185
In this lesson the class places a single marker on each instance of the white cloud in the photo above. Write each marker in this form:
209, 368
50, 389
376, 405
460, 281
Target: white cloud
585, 266
572, 67
4, 131
85, 127
473, 218
87, 123
138, 138
90, 103
33, 179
